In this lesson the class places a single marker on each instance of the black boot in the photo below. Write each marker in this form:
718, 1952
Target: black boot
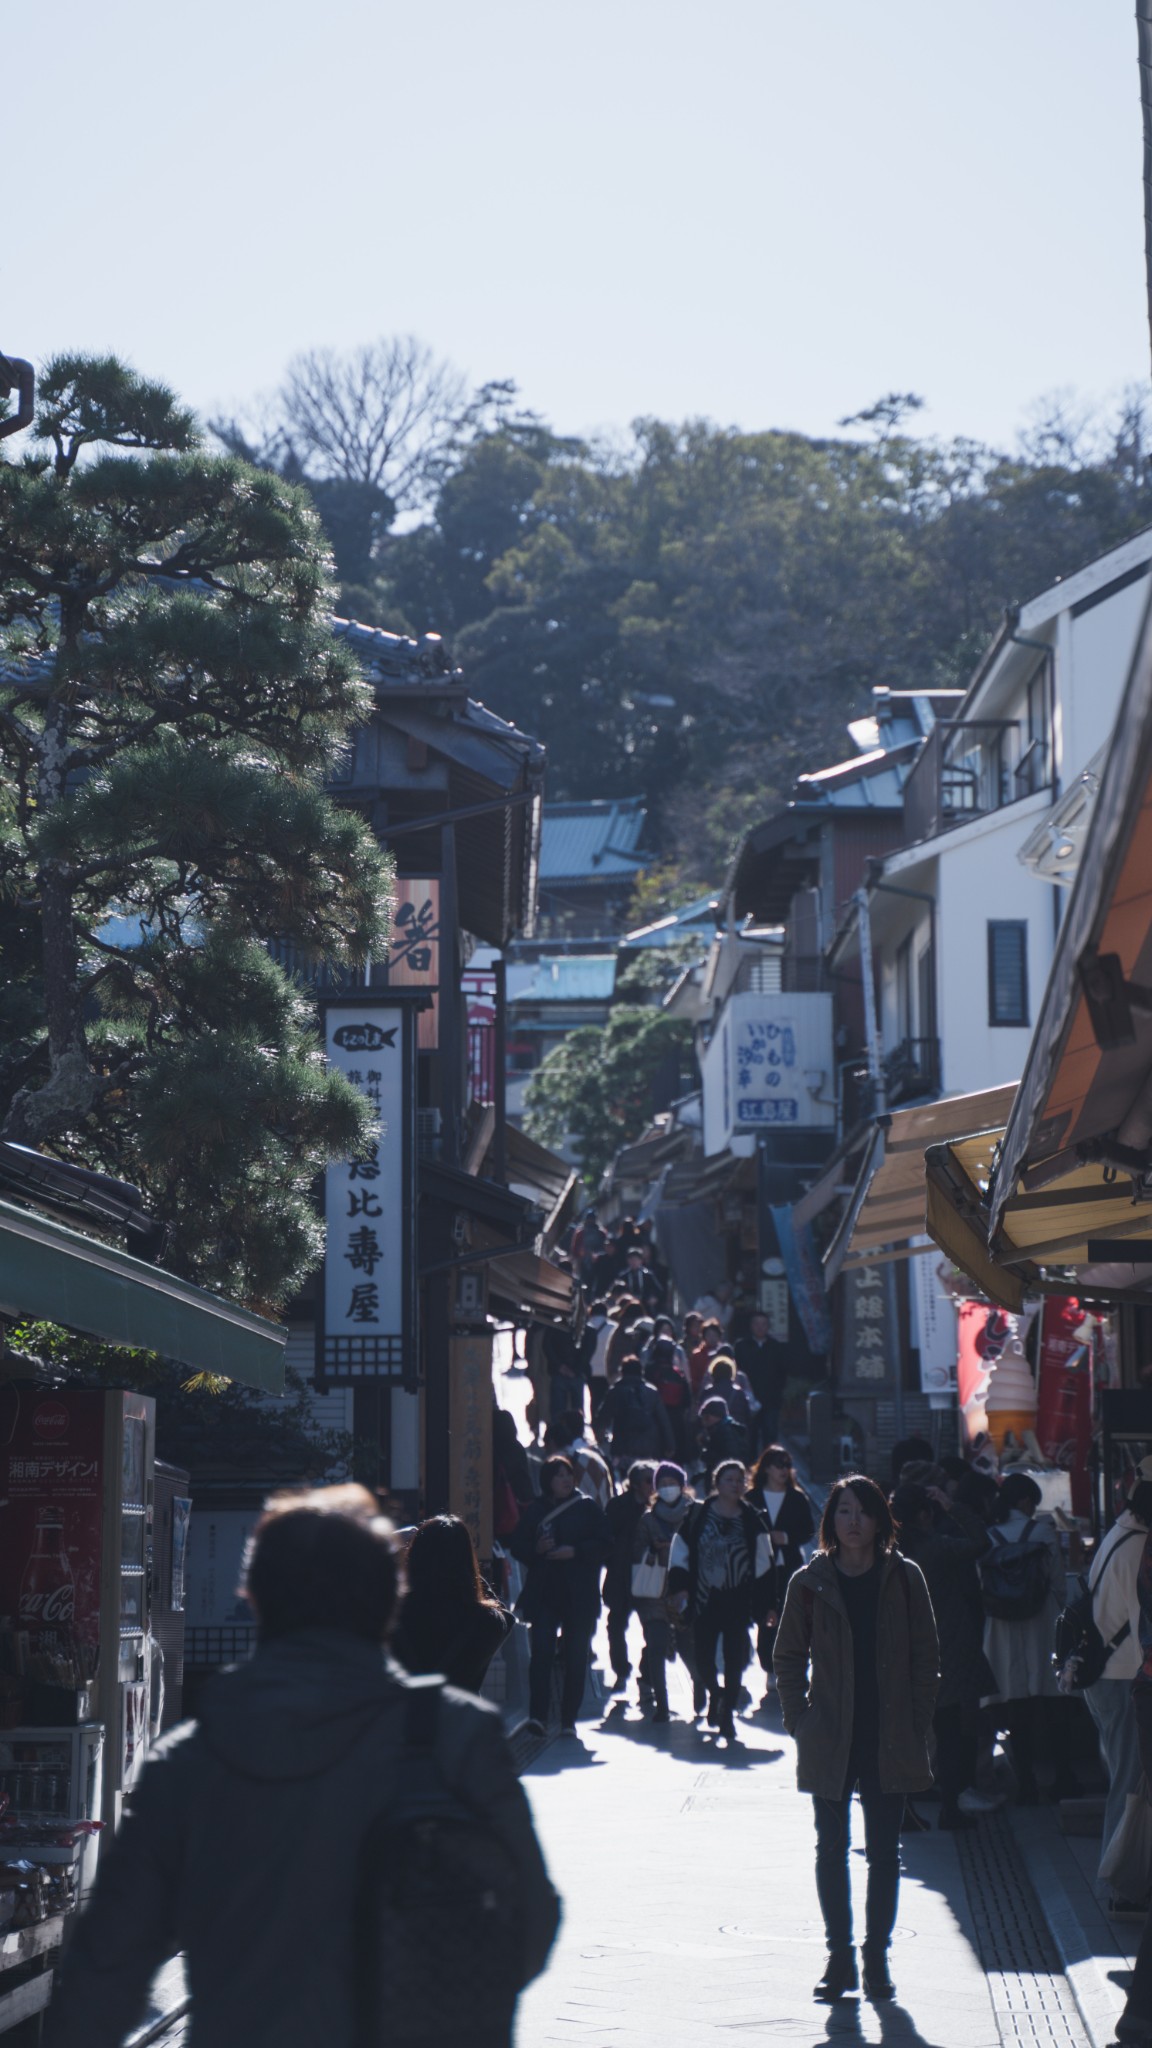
878, 1984
839, 1976
714, 1710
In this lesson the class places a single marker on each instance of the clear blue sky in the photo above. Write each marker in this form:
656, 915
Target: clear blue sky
765, 211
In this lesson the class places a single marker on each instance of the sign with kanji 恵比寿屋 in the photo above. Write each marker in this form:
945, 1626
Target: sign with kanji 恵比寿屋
414, 949
368, 1203
865, 1347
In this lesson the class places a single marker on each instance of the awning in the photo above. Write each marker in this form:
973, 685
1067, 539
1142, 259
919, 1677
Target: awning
531, 1170
524, 1282
887, 1210
1072, 1186
52, 1274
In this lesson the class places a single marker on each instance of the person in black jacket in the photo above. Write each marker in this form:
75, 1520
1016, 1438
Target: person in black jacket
241, 1843
564, 1539
717, 1576
623, 1517
946, 1541
764, 1361
719, 1438
777, 1494
633, 1420
448, 1621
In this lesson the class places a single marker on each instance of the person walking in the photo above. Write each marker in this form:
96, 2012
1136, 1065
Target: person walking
564, 1539
718, 1561
777, 1494
719, 1438
1022, 1597
633, 1419
946, 1541
623, 1516
659, 1612
734, 1390
670, 1379
856, 1663
449, 1621
1114, 1584
764, 1361
273, 1794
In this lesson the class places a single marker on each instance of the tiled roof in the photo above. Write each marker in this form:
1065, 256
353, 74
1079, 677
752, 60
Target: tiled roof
593, 841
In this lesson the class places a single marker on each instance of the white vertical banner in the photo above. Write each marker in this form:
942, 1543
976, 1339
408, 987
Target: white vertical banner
935, 1322
367, 1203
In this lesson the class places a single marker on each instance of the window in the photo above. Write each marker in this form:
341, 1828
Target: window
1008, 972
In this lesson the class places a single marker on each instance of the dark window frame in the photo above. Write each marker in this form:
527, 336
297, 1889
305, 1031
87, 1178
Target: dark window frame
1018, 925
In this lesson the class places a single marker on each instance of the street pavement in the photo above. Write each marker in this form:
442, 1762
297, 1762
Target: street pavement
690, 1910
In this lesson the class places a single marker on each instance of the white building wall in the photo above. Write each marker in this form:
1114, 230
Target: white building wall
1091, 676
981, 879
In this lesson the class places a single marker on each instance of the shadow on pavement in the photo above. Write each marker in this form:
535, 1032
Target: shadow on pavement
684, 1741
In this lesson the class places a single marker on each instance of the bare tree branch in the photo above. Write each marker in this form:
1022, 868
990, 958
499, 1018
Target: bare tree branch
383, 415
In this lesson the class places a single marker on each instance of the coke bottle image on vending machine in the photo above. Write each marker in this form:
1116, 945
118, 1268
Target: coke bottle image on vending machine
48, 1590
76, 1505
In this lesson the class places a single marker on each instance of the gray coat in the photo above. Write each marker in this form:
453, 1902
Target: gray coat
240, 1848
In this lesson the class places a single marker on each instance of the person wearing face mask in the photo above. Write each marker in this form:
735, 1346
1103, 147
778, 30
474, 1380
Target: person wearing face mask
655, 1534
857, 1667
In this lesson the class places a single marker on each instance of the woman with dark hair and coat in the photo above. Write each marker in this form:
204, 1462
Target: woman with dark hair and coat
717, 1577
778, 1495
449, 1621
856, 1663
564, 1539
945, 1541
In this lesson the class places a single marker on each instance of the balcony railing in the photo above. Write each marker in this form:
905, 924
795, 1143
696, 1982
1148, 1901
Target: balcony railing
912, 1068
965, 770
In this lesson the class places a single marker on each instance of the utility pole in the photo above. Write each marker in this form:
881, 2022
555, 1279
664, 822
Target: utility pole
1144, 33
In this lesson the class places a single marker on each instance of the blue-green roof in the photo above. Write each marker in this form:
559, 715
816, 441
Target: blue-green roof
587, 978
592, 842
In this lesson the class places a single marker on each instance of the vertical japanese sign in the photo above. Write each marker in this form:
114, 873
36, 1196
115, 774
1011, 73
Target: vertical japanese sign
1064, 1393
414, 949
868, 1346
470, 1427
51, 1529
936, 1334
366, 1328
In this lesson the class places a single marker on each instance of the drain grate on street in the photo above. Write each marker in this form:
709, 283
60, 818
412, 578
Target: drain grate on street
1030, 1995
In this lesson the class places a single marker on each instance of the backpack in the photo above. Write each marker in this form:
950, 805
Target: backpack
1014, 1577
438, 1940
1081, 1654
631, 1410
672, 1387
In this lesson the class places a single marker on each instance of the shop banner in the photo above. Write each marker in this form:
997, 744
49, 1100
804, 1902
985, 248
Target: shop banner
51, 1515
935, 1324
470, 1424
806, 1280
868, 1349
977, 1348
414, 950
1064, 1395
368, 1202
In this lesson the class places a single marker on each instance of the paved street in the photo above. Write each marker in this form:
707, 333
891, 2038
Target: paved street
691, 1915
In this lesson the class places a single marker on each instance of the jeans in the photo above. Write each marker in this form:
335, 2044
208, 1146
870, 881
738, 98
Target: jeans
957, 1739
883, 1813
1109, 1702
575, 1643
724, 1620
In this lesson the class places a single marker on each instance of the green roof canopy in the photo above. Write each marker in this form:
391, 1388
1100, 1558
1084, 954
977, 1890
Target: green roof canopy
56, 1275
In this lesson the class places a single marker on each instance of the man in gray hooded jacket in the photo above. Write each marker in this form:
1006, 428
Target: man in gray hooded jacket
240, 1844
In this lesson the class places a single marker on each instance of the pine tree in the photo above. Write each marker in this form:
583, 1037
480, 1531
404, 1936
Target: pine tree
170, 699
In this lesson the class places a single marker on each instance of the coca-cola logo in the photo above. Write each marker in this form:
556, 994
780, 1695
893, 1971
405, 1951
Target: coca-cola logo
48, 1610
50, 1420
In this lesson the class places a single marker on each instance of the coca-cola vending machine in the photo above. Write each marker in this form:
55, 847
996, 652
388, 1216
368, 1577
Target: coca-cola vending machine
76, 1507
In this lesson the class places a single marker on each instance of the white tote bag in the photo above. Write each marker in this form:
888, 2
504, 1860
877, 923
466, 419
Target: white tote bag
649, 1578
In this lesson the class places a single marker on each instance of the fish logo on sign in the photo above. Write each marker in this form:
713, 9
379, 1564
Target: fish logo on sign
364, 1037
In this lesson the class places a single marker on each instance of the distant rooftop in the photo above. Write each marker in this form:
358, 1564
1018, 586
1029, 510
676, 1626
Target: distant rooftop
588, 978
692, 920
596, 841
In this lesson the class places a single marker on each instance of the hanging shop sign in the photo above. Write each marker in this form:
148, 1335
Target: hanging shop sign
1064, 1393
935, 1313
868, 1344
414, 949
470, 1426
365, 1330
805, 1279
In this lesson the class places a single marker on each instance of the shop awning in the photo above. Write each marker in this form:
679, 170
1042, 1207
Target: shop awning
49, 1273
887, 1210
531, 1170
524, 1282
1072, 1186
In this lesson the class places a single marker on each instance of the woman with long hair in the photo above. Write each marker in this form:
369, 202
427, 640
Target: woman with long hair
778, 1495
856, 1665
449, 1621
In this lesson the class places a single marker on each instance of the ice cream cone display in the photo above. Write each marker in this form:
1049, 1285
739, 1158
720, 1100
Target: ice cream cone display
1011, 1401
